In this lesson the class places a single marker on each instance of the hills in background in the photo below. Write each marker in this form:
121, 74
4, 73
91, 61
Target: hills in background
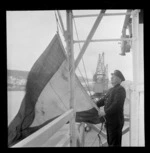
17, 74
24, 74
16, 79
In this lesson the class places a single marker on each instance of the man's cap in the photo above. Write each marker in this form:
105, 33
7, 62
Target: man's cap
118, 74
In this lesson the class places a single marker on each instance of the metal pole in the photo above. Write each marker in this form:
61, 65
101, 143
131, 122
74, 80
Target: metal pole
137, 105
126, 22
103, 40
134, 127
61, 22
99, 18
72, 76
105, 14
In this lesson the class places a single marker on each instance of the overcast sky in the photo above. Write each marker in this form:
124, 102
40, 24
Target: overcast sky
30, 32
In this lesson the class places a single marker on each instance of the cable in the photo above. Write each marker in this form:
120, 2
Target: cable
87, 84
93, 142
99, 135
100, 141
84, 81
58, 96
58, 24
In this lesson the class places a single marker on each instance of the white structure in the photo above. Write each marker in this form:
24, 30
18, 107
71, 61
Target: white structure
137, 132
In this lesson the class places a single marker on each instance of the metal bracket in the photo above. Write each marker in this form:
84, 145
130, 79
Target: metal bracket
135, 12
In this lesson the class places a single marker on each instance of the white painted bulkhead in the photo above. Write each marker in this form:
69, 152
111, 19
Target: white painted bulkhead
137, 132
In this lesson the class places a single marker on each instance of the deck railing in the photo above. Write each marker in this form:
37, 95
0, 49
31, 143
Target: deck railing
42, 135
103, 134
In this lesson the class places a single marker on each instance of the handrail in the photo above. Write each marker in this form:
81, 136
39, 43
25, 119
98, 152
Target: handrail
104, 40
94, 127
125, 130
42, 135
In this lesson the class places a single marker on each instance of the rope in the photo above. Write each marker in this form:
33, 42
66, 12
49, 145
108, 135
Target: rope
87, 83
94, 141
58, 24
84, 81
100, 141
58, 96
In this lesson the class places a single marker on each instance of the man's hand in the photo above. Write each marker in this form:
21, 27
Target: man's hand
102, 112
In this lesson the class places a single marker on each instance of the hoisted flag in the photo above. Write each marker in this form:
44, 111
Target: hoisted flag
47, 94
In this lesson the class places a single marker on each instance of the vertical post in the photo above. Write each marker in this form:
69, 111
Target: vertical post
130, 94
81, 134
134, 102
137, 109
141, 87
72, 76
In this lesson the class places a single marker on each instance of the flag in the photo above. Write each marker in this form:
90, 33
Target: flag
47, 94
41, 72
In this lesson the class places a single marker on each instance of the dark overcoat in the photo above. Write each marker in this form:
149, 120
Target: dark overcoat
113, 103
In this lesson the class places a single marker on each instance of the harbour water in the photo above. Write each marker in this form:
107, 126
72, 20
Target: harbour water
13, 103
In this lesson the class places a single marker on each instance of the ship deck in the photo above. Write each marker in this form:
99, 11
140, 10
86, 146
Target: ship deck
61, 138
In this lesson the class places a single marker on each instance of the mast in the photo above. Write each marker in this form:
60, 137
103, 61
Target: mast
137, 130
72, 75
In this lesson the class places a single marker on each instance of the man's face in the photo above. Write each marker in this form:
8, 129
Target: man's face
115, 80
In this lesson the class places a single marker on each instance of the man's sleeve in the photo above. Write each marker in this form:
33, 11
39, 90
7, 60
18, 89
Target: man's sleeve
118, 102
100, 102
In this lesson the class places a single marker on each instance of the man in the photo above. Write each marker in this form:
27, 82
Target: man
113, 103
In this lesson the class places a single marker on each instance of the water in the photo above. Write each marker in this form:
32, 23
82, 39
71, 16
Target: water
13, 103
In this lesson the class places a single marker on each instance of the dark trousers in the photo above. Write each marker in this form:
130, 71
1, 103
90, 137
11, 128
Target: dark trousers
114, 134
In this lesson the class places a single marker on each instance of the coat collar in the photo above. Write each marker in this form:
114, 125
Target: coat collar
117, 85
